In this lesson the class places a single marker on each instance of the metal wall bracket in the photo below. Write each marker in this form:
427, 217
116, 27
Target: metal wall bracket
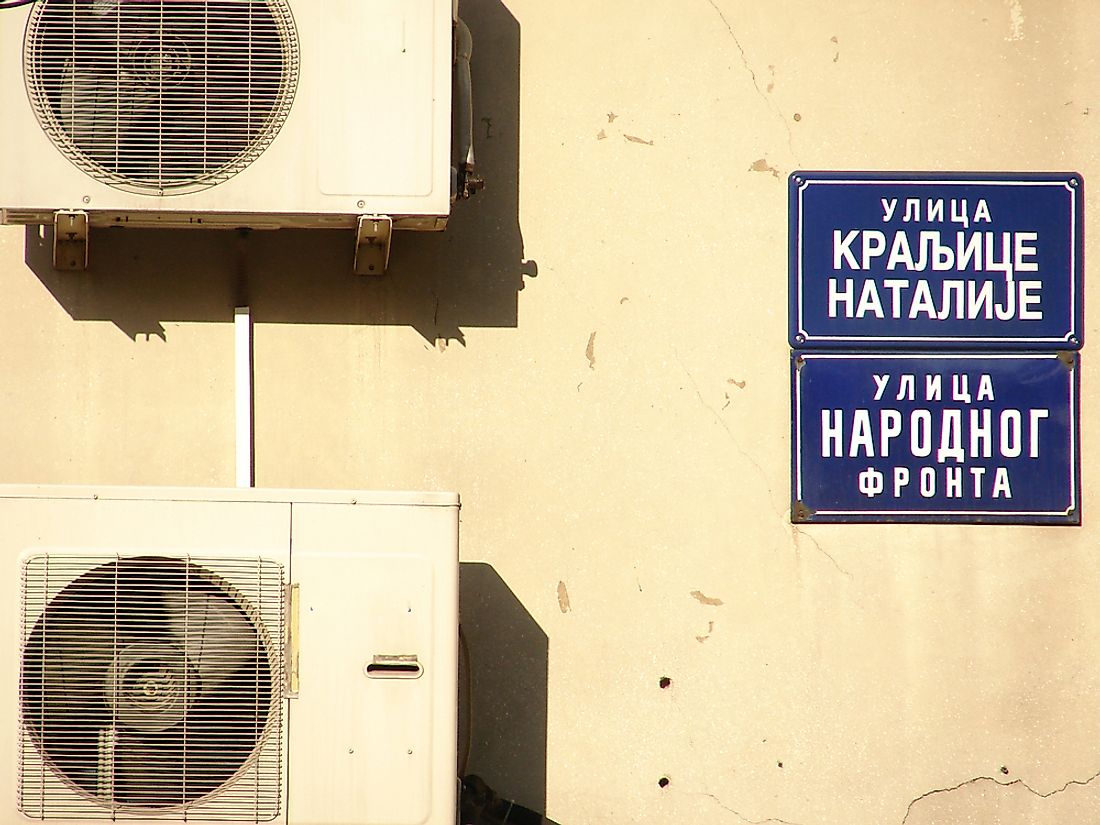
70, 239
372, 244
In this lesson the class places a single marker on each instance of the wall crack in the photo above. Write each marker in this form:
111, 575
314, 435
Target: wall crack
752, 75
822, 551
744, 818
722, 423
977, 779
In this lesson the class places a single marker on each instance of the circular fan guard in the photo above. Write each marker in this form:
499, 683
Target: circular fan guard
161, 96
146, 683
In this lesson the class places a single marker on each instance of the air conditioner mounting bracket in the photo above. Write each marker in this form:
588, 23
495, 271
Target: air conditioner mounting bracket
372, 244
70, 239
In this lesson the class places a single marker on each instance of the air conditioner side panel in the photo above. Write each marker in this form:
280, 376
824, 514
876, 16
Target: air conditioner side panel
374, 580
376, 83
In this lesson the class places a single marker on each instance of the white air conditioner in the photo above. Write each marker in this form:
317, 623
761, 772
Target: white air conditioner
228, 113
211, 656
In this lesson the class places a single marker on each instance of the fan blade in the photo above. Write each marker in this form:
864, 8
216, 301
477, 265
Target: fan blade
150, 769
216, 635
195, 756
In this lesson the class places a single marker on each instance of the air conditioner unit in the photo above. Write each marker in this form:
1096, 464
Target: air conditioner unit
228, 113
229, 656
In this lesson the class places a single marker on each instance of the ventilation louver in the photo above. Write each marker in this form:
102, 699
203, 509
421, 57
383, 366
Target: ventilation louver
151, 687
161, 96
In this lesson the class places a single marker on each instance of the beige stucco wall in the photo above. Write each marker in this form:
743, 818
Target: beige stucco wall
595, 356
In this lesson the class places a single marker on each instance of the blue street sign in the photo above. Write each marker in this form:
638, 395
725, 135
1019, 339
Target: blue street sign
894, 437
935, 261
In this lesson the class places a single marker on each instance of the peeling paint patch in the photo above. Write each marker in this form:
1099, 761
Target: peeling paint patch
762, 165
563, 598
611, 117
707, 600
601, 135
1015, 20
590, 351
710, 630
738, 384
636, 139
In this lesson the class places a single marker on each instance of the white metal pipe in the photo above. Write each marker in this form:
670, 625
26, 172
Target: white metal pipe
242, 323
464, 50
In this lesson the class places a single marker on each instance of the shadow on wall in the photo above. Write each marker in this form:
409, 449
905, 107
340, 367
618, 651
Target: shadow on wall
468, 276
505, 725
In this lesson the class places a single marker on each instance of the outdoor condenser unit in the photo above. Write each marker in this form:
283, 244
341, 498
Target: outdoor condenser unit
231, 114
208, 656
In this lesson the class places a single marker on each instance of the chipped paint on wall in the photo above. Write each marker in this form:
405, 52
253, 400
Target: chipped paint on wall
563, 598
704, 599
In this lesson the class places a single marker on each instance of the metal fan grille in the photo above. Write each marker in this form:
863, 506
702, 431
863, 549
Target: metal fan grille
175, 632
161, 96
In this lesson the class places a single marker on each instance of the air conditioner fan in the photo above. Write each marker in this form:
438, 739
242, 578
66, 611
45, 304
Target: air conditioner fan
147, 683
161, 96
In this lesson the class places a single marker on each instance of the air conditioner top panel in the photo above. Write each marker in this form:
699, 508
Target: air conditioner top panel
265, 107
121, 493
